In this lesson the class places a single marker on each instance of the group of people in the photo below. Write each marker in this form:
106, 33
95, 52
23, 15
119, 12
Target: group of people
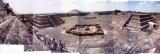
52, 43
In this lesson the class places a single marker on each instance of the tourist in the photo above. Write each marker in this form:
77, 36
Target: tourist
54, 44
157, 49
45, 40
35, 31
3, 38
43, 37
38, 35
30, 30
23, 18
49, 45
61, 46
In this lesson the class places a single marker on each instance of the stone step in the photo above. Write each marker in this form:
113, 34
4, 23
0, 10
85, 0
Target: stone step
41, 19
137, 27
148, 20
138, 18
131, 26
146, 17
41, 22
134, 24
42, 26
42, 16
138, 21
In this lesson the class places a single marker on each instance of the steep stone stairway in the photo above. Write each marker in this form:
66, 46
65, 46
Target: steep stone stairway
15, 31
55, 20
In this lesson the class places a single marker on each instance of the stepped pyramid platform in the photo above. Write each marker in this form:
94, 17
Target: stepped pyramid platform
41, 21
44, 21
139, 22
86, 30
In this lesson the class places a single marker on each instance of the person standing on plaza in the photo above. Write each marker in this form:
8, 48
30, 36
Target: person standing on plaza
61, 46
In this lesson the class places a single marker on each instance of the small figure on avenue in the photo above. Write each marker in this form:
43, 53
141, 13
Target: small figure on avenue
61, 46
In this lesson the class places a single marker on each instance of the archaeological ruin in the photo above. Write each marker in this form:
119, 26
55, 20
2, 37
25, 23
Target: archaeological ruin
111, 32
86, 30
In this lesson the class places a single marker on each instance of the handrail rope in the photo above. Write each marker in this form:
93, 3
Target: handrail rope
51, 21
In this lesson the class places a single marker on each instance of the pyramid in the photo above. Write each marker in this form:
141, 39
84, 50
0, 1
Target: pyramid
74, 11
139, 22
91, 15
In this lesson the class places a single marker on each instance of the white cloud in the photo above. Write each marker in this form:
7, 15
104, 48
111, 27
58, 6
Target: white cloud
56, 6
68, 5
143, 0
84, 5
20, 6
118, 0
45, 6
146, 6
120, 5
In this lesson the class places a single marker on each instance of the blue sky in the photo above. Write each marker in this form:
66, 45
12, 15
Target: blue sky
144, 6
63, 6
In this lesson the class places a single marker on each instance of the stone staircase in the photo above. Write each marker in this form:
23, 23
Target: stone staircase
119, 20
15, 31
56, 20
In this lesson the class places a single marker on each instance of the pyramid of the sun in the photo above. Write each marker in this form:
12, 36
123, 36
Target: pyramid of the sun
75, 11
139, 22
92, 15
